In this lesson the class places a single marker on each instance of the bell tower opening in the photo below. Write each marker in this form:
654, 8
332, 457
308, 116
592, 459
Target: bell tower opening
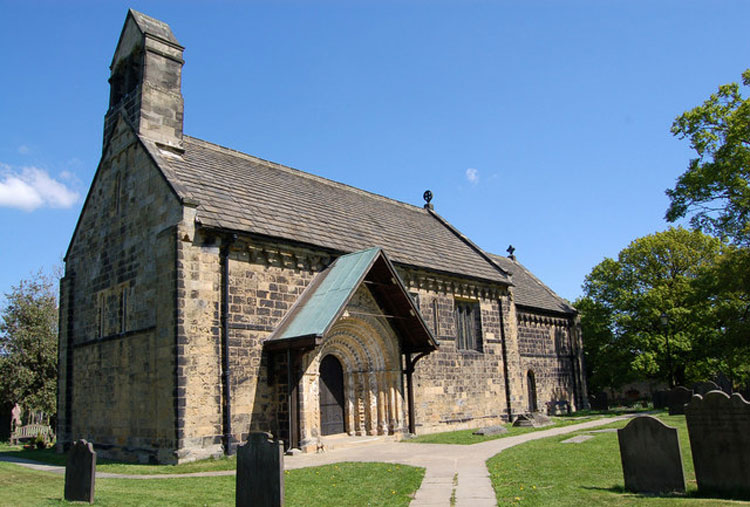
146, 80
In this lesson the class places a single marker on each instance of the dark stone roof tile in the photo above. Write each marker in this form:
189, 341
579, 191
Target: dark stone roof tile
529, 291
240, 192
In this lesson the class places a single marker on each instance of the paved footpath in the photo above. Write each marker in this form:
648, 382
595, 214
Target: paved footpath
448, 467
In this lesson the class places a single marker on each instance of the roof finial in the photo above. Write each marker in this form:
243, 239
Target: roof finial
427, 197
510, 251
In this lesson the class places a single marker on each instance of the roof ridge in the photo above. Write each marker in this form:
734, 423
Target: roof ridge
300, 172
463, 237
534, 277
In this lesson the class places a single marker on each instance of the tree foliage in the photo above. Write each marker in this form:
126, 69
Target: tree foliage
28, 345
715, 189
624, 299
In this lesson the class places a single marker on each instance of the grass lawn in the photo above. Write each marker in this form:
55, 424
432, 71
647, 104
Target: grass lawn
546, 472
50, 457
339, 484
465, 437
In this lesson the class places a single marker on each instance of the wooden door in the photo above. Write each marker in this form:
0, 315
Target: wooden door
331, 396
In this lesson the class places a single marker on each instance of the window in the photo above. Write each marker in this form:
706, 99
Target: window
468, 325
100, 316
435, 323
123, 309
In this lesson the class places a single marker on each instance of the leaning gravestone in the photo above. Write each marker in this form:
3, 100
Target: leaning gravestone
80, 473
719, 431
651, 457
677, 399
534, 420
260, 472
704, 387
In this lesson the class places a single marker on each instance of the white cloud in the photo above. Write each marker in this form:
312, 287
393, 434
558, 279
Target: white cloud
472, 175
33, 188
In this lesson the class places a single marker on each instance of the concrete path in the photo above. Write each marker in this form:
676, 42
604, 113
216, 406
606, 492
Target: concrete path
448, 468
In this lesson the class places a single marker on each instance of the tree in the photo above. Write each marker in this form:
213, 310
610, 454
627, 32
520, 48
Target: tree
28, 345
624, 300
715, 189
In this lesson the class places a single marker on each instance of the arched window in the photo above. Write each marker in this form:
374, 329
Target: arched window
531, 391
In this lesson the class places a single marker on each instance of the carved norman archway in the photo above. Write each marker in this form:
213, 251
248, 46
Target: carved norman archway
368, 351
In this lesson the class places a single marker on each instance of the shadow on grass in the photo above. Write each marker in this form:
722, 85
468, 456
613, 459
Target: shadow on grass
693, 494
615, 412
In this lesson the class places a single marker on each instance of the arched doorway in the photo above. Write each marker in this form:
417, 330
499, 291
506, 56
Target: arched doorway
331, 396
531, 391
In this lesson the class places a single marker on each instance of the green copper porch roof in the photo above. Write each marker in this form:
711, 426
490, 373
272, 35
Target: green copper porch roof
325, 299
331, 294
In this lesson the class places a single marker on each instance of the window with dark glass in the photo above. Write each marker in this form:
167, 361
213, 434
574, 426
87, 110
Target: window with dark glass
468, 325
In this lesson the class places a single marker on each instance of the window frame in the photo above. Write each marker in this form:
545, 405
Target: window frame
467, 315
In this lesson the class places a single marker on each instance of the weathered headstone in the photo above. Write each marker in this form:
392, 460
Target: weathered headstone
678, 397
599, 401
491, 430
260, 472
535, 420
704, 387
661, 399
724, 383
719, 430
651, 457
80, 472
558, 407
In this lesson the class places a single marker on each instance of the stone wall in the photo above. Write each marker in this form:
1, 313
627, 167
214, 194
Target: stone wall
117, 307
546, 346
264, 281
457, 388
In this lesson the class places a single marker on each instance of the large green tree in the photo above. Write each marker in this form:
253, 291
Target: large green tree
623, 304
28, 345
715, 192
715, 189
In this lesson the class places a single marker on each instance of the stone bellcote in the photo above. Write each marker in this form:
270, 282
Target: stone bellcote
145, 81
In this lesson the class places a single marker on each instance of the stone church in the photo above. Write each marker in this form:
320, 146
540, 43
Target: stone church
209, 293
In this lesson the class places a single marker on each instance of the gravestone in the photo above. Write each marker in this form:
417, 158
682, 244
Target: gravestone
651, 457
535, 420
599, 401
661, 399
260, 471
558, 407
677, 398
719, 431
724, 383
80, 472
491, 430
704, 387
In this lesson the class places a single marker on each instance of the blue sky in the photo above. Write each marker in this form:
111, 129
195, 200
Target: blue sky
541, 124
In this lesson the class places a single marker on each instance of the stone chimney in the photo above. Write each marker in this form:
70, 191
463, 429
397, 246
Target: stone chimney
145, 81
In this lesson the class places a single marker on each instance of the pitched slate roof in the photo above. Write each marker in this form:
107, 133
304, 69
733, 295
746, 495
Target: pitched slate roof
242, 193
529, 291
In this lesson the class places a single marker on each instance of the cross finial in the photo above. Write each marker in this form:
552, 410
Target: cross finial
510, 251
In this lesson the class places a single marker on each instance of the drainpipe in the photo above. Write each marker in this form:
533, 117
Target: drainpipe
225, 374
505, 361
410, 365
